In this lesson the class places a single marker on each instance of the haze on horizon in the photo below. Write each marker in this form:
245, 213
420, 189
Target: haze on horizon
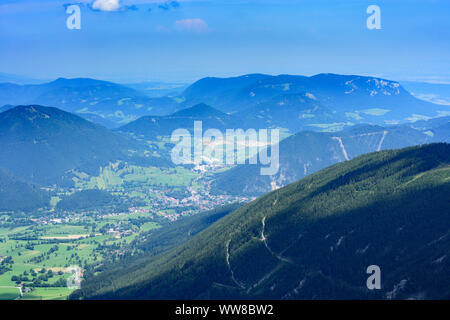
182, 41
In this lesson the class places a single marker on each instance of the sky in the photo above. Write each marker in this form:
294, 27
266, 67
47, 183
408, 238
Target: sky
182, 41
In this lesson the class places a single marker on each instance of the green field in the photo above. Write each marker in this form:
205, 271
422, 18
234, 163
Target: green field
111, 177
42, 254
9, 293
39, 250
48, 294
331, 127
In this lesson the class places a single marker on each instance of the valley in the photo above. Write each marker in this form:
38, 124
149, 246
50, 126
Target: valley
224, 159
63, 234
75, 195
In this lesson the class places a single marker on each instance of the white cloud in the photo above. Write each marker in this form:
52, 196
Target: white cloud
193, 25
106, 5
162, 29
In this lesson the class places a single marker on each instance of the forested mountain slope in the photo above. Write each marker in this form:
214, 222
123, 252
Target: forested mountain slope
43, 144
315, 239
17, 195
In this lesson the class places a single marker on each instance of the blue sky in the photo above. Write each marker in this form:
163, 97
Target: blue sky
140, 40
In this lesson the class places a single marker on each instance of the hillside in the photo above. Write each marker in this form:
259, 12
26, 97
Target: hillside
17, 195
105, 99
153, 126
307, 152
159, 240
314, 239
43, 144
200, 110
85, 199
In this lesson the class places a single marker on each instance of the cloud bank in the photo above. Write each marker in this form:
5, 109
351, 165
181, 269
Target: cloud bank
192, 25
106, 5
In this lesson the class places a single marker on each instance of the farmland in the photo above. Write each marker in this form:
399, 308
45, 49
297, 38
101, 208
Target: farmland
93, 223
39, 257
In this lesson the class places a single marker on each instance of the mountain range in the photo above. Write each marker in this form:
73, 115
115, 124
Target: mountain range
61, 144
324, 102
313, 239
350, 192
307, 152
321, 101
108, 100
18, 79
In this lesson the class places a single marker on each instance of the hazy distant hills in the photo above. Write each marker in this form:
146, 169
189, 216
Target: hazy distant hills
324, 102
442, 133
200, 110
314, 239
18, 79
438, 93
307, 152
158, 89
43, 144
222, 93
151, 127
296, 112
105, 99
311, 101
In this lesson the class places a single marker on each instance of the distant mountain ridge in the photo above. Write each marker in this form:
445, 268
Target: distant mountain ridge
18, 79
109, 100
324, 102
318, 100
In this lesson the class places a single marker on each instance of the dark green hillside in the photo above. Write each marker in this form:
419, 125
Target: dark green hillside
16, 195
42, 144
85, 199
315, 238
159, 240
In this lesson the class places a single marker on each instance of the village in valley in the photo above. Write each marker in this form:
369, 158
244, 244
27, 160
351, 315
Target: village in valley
39, 250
